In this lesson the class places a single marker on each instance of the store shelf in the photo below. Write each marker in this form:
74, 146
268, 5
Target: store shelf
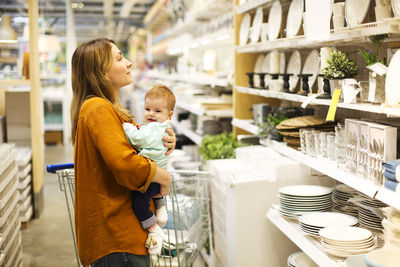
246, 125
331, 169
306, 243
207, 10
8, 59
187, 132
200, 111
390, 112
342, 37
55, 76
53, 127
14, 82
250, 5
201, 79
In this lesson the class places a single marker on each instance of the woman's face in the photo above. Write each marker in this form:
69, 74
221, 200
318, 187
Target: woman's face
119, 72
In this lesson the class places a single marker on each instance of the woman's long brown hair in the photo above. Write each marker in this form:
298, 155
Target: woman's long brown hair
89, 64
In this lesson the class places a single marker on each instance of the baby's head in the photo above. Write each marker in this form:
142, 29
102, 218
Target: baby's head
159, 104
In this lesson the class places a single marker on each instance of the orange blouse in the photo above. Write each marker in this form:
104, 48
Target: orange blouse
106, 169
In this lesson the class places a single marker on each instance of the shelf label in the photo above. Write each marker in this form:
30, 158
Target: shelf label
379, 68
333, 106
308, 100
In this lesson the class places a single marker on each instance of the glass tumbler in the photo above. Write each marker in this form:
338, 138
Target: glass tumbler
331, 146
310, 143
317, 143
302, 132
323, 144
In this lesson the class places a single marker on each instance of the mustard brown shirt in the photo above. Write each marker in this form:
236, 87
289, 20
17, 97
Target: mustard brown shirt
106, 169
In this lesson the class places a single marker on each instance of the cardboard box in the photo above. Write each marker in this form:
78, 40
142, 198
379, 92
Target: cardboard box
53, 137
18, 108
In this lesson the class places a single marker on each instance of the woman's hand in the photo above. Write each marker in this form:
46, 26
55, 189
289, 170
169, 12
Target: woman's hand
169, 141
163, 177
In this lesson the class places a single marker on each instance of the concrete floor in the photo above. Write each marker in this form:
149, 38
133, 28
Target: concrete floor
47, 241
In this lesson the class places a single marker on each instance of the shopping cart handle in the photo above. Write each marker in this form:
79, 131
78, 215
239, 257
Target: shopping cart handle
53, 168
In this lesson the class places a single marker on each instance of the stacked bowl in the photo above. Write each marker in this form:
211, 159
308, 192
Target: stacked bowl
302, 199
344, 241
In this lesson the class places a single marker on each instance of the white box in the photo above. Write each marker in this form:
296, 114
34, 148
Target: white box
239, 202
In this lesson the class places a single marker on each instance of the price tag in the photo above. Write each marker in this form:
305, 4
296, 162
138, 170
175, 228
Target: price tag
333, 106
379, 68
308, 100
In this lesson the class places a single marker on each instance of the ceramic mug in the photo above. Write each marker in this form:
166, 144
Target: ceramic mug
383, 12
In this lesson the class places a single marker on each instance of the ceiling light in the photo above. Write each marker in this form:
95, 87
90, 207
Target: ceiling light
7, 33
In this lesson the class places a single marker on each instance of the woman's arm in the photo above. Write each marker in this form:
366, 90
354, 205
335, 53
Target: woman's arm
164, 179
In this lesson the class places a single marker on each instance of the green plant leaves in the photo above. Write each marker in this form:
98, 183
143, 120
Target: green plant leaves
221, 146
339, 67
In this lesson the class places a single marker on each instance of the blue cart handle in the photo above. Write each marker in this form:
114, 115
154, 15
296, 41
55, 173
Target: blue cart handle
56, 167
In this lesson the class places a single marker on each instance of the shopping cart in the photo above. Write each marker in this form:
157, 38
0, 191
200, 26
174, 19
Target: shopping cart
187, 231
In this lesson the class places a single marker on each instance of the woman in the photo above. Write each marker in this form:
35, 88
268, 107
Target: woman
106, 167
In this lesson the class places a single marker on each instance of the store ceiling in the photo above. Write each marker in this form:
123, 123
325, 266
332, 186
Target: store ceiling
115, 19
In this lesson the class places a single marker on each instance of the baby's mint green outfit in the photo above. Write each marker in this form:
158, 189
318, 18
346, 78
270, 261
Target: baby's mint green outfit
148, 140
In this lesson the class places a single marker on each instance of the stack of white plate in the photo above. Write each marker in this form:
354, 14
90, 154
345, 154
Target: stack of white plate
313, 222
341, 194
300, 259
344, 241
297, 200
367, 217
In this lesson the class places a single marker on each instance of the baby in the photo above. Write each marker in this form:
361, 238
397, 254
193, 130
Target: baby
158, 110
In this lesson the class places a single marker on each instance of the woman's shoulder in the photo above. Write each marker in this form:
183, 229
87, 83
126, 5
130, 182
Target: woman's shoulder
94, 104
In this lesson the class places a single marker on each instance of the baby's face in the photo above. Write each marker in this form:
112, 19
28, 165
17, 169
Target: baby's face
155, 109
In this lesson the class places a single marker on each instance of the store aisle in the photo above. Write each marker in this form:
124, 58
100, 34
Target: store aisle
47, 241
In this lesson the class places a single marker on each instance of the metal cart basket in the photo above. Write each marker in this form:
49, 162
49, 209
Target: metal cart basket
188, 228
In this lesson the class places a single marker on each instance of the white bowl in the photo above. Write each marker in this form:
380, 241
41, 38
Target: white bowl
385, 257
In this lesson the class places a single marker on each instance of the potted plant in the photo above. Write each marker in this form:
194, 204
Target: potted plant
267, 130
341, 68
220, 146
377, 82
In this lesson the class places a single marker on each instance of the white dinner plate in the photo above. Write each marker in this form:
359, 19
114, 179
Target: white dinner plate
256, 26
294, 18
305, 190
259, 64
345, 233
282, 62
396, 7
355, 11
294, 67
258, 68
274, 20
244, 29
301, 259
342, 188
311, 66
325, 219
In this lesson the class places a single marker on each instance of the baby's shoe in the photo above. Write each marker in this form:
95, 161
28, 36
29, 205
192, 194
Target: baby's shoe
162, 216
155, 240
